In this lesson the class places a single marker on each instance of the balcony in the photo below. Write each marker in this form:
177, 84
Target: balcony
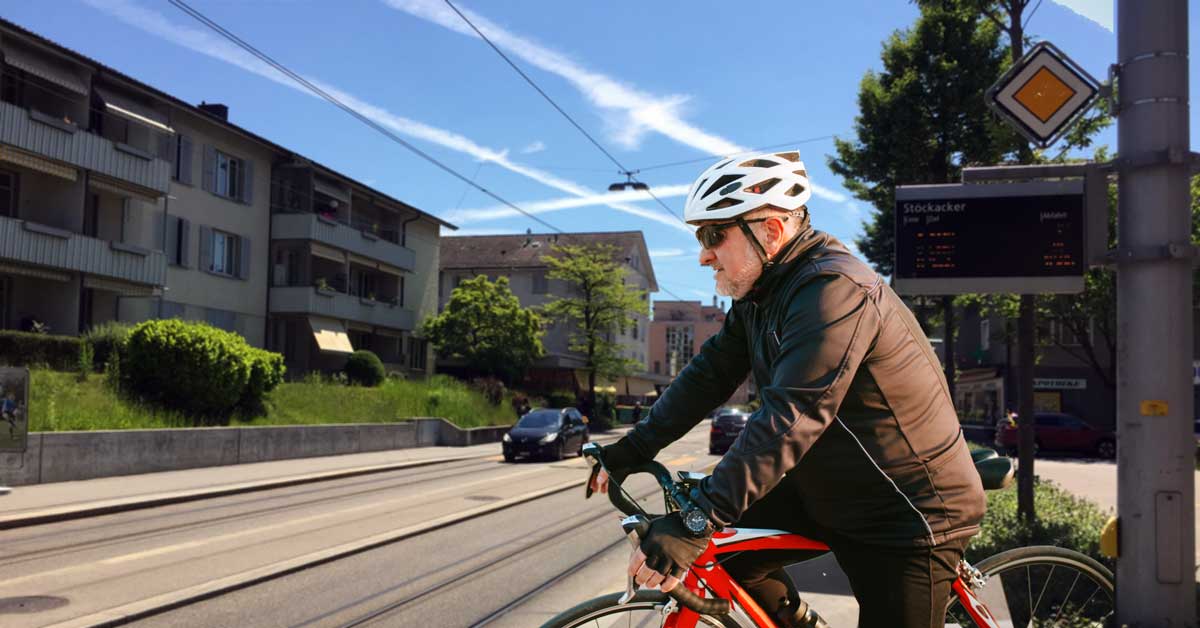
332, 304
35, 243
40, 134
334, 233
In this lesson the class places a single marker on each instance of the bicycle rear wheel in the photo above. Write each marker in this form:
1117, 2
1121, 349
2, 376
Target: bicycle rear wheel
645, 609
1042, 586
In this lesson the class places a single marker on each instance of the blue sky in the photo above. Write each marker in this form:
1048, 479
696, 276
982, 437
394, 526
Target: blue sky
653, 82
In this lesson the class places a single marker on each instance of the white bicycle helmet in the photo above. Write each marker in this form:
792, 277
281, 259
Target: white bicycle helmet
737, 185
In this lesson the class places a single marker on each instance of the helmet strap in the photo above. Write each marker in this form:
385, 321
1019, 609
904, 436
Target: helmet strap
758, 247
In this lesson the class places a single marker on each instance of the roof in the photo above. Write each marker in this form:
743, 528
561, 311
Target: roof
525, 250
109, 73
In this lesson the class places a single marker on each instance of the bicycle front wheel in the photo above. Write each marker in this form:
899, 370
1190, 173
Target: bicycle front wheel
647, 608
1042, 586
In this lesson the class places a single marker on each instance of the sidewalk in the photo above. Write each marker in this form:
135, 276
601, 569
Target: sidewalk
41, 503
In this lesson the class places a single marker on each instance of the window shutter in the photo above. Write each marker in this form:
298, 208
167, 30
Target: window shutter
243, 269
205, 248
208, 179
185, 238
401, 299
247, 182
172, 244
166, 147
185, 159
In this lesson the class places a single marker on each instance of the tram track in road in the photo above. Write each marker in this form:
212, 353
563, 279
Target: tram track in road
426, 475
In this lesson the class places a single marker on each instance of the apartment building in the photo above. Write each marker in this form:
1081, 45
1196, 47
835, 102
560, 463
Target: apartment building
121, 202
678, 330
519, 258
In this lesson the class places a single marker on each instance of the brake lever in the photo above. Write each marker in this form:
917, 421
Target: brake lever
635, 526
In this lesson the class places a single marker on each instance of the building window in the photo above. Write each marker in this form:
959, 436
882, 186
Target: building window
680, 348
1063, 335
8, 194
635, 329
985, 334
541, 285
229, 176
225, 249
416, 353
657, 367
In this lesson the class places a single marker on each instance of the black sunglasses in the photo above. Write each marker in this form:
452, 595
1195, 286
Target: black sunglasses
712, 235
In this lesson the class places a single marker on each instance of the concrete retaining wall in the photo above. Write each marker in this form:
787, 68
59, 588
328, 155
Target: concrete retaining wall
67, 456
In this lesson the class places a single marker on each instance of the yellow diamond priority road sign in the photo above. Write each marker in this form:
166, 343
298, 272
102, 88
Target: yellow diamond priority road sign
1043, 94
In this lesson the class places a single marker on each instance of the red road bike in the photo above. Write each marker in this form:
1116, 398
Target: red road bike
1030, 586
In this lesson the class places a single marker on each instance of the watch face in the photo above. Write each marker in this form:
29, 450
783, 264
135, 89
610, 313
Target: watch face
695, 520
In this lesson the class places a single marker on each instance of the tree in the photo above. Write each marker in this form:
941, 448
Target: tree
601, 304
484, 324
921, 119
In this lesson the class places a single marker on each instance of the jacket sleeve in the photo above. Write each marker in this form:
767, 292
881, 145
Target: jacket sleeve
708, 380
828, 328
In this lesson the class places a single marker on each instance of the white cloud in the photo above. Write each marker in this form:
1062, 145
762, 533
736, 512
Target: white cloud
497, 212
1098, 11
534, 147
203, 42
656, 253
702, 294
637, 111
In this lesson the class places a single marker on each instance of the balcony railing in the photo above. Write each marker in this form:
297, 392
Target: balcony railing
39, 134
332, 304
35, 243
328, 231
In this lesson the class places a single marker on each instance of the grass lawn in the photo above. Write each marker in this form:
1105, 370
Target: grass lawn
60, 402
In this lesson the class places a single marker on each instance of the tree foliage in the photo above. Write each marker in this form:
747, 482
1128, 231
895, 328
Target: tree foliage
484, 324
601, 304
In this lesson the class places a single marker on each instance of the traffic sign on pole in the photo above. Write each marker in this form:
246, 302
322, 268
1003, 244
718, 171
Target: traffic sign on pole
1043, 94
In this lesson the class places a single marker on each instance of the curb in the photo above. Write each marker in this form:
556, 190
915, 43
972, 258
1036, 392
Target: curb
105, 507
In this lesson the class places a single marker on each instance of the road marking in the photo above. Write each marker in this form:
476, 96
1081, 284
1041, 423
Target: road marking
425, 497
680, 461
172, 599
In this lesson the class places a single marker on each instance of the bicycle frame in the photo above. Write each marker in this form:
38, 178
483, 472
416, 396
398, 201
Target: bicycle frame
708, 578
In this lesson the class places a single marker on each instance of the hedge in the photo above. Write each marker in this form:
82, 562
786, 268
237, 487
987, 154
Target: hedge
365, 368
22, 348
1063, 520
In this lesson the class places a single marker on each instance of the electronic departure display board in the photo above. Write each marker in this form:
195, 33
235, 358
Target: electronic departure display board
1020, 238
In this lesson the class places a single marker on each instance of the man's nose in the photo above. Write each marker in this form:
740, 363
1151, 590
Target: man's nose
707, 256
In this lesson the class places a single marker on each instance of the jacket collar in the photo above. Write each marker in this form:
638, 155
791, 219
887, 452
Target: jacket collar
793, 252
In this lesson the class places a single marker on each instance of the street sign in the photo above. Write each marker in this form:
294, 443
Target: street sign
1012, 238
14, 409
1043, 94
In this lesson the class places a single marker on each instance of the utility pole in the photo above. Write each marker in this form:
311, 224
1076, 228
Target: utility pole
1155, 472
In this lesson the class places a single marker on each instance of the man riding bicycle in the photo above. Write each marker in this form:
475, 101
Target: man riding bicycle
856, 444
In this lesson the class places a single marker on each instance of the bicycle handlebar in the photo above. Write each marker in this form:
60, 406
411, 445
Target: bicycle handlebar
639, 523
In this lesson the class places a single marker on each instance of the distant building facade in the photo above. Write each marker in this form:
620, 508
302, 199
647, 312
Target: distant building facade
678, 330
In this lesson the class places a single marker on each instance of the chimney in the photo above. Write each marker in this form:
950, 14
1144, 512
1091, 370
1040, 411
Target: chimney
215, 110
714, 300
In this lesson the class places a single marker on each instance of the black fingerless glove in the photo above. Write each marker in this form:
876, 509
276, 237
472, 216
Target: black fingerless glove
669, 548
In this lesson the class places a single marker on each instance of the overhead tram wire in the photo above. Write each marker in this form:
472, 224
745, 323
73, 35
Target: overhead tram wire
200, 17
752, 150
623, 170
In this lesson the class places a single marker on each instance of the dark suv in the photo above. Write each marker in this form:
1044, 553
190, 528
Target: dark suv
726, 426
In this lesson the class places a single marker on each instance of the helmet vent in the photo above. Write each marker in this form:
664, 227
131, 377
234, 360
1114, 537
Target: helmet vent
803, 173
758, 163
793, 156
699, 187
762, 187
723, 203
722, 182
795, 191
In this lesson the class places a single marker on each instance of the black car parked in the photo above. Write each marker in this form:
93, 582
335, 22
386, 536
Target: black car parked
725, 429
546, 433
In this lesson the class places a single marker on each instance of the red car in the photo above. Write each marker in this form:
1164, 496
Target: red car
1060, 432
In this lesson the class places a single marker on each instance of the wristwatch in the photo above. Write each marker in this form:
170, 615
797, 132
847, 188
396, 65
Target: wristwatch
696, 522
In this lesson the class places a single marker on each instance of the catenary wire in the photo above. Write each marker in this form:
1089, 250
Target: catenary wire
183, 6
625, 171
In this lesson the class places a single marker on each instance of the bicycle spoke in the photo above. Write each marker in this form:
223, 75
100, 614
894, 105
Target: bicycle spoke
1089, 600
1029, 588
1043, 591
1067, 598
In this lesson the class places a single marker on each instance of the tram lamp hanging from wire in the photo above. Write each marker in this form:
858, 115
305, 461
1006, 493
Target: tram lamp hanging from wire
633, 185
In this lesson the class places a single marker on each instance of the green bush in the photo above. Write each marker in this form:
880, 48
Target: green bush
197, 369
1063, 520
107, 339
365, 368
21, 348
560, 399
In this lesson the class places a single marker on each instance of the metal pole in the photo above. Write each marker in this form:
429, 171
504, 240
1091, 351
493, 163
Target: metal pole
1155, 489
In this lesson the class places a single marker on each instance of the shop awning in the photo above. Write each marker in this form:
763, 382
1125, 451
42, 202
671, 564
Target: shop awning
33, 271
632, 385
119, 188
122, 288
130, 109
330, 335
328, 252
332, 191
33, 162
43, 69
